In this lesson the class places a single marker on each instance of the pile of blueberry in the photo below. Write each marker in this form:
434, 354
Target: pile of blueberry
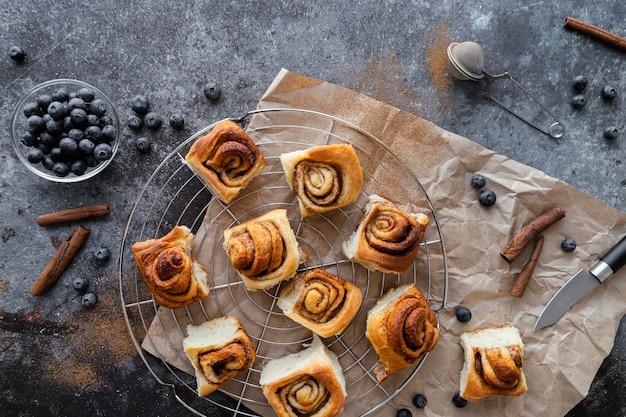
143, 117
68, 131
486, 197
608, 94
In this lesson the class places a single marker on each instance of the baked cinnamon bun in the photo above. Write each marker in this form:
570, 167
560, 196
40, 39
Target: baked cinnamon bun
387, 238
402, 329
218, 349
173, 276
324, 178
264, 250
320, 301
493, 363
307, 383
226, 159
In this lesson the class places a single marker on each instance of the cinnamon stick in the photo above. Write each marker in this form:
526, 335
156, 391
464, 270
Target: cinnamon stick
60, 261
524, 236
595, 32
523, 278
72, 215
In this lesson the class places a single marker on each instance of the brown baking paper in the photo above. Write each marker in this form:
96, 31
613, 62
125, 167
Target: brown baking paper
560, 361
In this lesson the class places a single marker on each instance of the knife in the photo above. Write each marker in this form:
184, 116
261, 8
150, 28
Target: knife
581, 284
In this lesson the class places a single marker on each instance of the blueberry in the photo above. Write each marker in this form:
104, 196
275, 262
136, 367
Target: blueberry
28, 139
580, 83
60, 169
102, 152
68, 146
77, 103
404, 412
152, 120
568, 244
68, 124
48, 139
57, 110
608, 92
91, 160
108, 133
478, 181
54, 127
60, 94
578, 101
48, 162
34, 155
463, 314
81, 284
212, 91
31, 108
76, 134
58, 155
86, 147
78, 167
177, 121
98, 107
86, 94
135, 123
458, 401
487, 197
102, 254
93, 133
105, 120
43, 101
611, 132
89, 299
140, 104
17, 54
419, 400
143, 144
35, 124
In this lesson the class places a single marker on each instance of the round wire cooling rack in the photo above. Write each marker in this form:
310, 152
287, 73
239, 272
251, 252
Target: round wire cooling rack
173, 195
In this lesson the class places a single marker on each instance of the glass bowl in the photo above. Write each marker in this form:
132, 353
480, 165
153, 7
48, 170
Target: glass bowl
42, 129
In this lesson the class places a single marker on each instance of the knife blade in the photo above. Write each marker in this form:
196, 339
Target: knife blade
582, 283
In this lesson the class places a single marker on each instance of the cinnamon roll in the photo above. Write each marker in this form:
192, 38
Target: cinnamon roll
226, 159
173, 276
387, 238
218, 349
402, 329
320, 301
307, 383
324, 178
264, 250
493, 363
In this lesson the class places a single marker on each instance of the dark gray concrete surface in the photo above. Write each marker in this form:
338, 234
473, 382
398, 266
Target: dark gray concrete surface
168, 50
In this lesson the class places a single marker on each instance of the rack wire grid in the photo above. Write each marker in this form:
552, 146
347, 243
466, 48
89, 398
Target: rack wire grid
173, 195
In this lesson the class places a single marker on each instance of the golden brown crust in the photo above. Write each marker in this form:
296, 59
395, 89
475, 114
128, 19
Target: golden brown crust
320, 301
174, 278
324, 178
226, 159
494, 370
387, 238
264, 250
216, 363
402, 329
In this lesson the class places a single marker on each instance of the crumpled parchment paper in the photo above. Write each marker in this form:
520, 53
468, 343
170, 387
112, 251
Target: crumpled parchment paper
560, 361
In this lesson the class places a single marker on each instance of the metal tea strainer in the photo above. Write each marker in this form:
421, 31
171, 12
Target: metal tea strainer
466, 61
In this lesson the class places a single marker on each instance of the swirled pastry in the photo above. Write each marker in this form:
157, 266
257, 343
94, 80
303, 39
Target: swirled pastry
320, 301
264, 250
307, 383
173, 276
226, 160
387, 238
218, 350
324, 178
402, 329
493, 363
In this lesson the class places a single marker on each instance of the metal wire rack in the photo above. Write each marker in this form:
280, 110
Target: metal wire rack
174, 195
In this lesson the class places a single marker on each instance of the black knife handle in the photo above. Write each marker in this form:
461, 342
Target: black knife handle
615, 258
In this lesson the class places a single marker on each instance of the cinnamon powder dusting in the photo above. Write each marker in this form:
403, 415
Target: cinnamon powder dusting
437, 58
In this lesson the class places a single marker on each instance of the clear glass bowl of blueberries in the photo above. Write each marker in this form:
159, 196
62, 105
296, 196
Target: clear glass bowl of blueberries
65, 130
